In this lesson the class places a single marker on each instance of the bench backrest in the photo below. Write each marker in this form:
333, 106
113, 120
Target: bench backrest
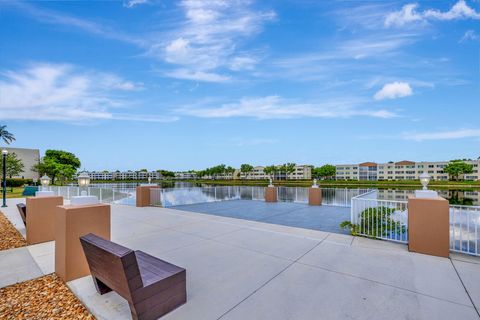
22, 208
113, 264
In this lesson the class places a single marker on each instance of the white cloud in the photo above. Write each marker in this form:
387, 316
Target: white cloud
133, 3
274, 107
187, 74
469, 35
394, 90
443, 135
209, 37
408, 14
65, 93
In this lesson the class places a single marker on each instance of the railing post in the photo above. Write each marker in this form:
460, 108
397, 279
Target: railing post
100, 196
429, 226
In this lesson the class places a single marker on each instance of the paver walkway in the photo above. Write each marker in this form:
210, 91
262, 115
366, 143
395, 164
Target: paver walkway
241, 269
300, 215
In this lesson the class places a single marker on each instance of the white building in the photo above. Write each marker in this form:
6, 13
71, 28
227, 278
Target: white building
403, 170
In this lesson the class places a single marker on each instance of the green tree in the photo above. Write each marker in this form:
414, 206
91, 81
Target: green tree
289, 168
6, 136
326, 171
58, 164
14, 165
457, 167
271, 171
166, 173
246, 168
230, 171
143, 170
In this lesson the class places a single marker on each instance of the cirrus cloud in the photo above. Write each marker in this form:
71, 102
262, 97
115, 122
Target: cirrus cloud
63, 92
275, 107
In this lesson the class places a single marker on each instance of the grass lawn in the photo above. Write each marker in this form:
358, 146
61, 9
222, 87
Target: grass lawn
16, 192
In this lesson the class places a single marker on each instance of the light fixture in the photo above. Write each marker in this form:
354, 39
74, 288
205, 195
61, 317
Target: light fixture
149, 180
45, 181
83, 182
4, 152
315, 185
425, 180
83, 179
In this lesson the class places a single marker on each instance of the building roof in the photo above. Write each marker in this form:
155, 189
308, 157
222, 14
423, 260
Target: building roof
368, 164
405, 163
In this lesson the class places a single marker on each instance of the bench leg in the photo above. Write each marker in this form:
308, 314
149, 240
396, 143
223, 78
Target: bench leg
101, 287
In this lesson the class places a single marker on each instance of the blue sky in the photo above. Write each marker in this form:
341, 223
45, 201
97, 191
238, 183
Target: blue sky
188, 84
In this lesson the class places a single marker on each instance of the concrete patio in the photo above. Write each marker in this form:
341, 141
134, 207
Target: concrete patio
241, 269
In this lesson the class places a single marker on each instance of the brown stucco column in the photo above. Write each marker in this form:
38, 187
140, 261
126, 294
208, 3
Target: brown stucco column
72, 222
429, 226
143, 195
41, 218
315, 196
270, 194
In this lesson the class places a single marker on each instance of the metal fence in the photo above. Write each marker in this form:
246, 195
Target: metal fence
168, 197
380, 219
465, 229
124, 196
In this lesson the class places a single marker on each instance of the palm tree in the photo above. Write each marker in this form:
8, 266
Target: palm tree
6, 136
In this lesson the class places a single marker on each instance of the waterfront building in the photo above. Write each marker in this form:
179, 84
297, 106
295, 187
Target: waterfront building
402, 170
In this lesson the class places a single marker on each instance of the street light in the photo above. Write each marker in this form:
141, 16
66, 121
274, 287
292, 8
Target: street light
83, 181
4, 186
425, 180
315, 185
45, 181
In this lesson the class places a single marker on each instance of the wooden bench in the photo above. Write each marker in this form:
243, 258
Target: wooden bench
151, 286
22, 208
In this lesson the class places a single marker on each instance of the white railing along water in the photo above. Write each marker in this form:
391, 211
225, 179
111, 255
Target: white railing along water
465, 229
182, 196
124, 196
380, 219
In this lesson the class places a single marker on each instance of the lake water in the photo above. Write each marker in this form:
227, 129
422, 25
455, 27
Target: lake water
460, 197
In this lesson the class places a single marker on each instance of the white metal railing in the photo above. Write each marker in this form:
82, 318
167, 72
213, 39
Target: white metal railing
181, 196
465, 229
124, 196
168, 197
381, 219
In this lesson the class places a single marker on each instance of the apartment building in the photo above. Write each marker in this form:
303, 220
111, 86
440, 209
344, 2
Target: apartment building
402, 170
302, 172
125, 175
185, 175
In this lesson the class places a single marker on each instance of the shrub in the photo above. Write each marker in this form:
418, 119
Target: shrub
375, 222
14, 182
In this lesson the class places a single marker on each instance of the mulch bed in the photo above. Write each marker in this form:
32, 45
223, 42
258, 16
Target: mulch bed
9, 236
46, 297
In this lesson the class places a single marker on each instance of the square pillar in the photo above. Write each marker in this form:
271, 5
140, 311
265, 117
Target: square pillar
72, 222
315, 196
271, 194
143, 195
41, 218
429, 226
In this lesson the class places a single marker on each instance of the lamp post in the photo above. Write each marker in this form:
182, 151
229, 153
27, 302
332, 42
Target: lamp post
83, 181
4, 186
315, 185
45, 181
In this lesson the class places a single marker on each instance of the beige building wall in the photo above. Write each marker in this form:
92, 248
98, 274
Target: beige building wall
406, 170
29, 157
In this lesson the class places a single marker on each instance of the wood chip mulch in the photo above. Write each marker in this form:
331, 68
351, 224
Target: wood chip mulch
46, 297
9, 236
